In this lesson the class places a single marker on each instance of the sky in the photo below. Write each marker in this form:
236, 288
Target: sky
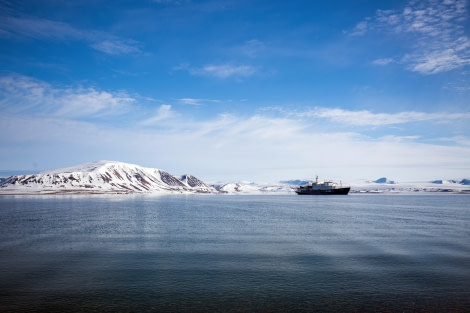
255, 90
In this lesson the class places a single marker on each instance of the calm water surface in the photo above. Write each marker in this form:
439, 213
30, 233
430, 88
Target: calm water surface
218, 253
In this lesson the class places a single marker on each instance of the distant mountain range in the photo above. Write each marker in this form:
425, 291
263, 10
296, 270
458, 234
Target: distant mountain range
384, 180
452, 181
381, 185
118, 177
104, 177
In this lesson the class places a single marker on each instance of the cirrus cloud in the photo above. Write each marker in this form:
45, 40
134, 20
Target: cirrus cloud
435, 30
47, 29
367, 118
219, 70
164, 112
21, 94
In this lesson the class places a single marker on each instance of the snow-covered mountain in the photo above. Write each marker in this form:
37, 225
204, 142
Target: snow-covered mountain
451, 181
117, 177
384, 180
104, 177
381, 185
254, 188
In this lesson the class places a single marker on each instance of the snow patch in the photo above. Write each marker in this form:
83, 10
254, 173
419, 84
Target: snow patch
118, 177
103, 177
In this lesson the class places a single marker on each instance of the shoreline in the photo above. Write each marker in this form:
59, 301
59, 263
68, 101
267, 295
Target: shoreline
241, 193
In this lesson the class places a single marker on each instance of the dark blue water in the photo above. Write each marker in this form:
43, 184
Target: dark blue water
356, 253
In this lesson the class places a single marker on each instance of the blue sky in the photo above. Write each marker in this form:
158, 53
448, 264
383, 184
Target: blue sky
238, 90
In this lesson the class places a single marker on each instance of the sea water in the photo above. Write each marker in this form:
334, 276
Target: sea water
220, 253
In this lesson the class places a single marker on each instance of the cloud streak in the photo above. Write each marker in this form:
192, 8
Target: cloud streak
45, 29
435, 29
367, 118
221, 71
251, 48
24, 95
115, 46
164, 112
197, 102
384, 61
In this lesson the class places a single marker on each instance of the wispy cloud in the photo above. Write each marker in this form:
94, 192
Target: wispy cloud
361, 28
440, 60
435, 29
89, 102
21, 94
194, 101
367, 118
226, 70
36, 116
384, 61
461, 141
116, 46
256, 126
191, 101
170, 1
164, 112
237, 147
45, 29
219, 70
251, 48
39, 28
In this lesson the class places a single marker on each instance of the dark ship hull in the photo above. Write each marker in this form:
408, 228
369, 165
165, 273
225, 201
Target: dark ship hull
336, 191
326, 187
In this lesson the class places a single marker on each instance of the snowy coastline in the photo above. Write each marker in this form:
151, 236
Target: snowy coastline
357, 187
108, 177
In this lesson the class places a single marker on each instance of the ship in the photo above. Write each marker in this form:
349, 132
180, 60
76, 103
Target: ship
322, 188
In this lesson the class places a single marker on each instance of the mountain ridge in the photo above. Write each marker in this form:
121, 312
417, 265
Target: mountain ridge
124, 178
104, 177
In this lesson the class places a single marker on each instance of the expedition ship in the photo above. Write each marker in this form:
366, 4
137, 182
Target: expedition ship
322, 188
